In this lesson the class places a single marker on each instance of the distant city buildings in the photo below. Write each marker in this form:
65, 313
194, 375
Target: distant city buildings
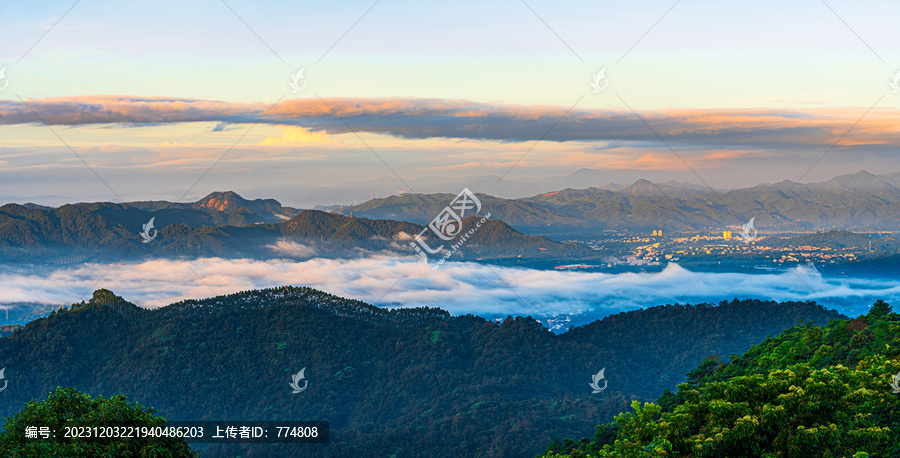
641, 251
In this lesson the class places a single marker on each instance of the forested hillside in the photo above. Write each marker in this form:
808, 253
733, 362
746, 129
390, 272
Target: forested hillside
216, 226
410, 382
813, 391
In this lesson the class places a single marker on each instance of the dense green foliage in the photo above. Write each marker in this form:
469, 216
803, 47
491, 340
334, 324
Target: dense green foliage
810, 392
410, 382
8, 329
66, 407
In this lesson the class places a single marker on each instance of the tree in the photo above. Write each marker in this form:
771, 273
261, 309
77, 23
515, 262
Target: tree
67, 407
880, 308
801, 394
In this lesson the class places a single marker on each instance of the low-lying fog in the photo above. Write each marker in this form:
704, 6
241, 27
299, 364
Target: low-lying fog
460, 288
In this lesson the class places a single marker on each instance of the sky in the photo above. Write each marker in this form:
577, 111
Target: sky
128, 100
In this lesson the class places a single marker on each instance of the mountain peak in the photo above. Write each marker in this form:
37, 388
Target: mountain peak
584, 170
643, 188
105, 297
232, 202
222, 201
860, 181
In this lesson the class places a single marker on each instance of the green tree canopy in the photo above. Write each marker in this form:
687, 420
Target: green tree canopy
66, 407
880, 308
811, 392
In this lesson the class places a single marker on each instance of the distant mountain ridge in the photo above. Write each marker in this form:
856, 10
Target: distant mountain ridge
838, 240
859, 201
226, 225
228, 202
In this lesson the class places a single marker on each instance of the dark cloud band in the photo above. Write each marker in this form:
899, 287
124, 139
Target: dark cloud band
431, 118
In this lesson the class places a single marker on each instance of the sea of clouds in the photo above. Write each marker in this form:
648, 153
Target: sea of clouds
460, 288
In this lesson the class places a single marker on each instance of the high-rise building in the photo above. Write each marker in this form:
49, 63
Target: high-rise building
726, 235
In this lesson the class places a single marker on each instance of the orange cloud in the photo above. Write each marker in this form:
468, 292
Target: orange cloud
314, 119
178, 143
297, 136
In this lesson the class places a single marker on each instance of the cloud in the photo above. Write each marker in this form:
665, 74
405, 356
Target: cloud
223, 127
178, 143
402, 236
297, 136
410, 118
292, 249
457, 287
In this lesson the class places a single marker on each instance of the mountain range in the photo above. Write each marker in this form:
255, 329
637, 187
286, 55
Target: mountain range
302, 195
239, 210
403, 382
861, 201
226, 225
